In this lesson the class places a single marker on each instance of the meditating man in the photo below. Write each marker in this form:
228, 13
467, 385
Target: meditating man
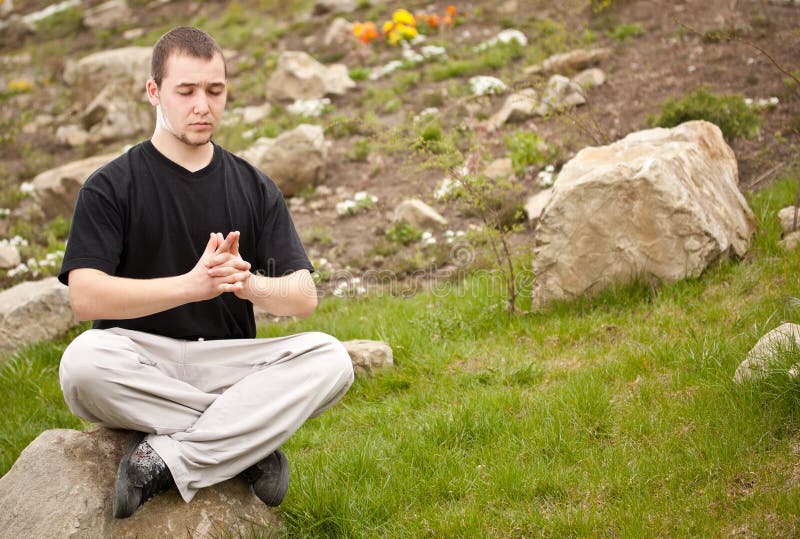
171, 246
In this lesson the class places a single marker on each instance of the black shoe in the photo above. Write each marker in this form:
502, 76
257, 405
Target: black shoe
141, 475
269, 478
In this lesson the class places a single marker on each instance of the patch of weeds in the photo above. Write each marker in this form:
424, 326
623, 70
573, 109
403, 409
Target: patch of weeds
403, 233
526, 149
624, 32
405, 81
359, 74
729, 112
319, 234
60, 24
340, 126
359, 151
451, 69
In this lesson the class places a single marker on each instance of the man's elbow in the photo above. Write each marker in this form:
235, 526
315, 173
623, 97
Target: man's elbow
307, 307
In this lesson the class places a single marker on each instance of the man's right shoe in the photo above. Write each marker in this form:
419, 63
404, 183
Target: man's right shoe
269, 478
141, 475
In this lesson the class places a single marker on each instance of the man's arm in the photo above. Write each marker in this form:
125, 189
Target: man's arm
95, 295
294, 294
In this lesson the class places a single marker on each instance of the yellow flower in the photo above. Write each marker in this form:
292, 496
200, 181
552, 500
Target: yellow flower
402, 16
19, 86
406, 32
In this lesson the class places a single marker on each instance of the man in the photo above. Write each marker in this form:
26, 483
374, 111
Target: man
172, 354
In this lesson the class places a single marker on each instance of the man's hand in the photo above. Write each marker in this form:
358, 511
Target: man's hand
220, 268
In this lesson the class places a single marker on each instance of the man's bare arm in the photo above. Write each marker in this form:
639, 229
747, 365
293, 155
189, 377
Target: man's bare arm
294, 294
95, 295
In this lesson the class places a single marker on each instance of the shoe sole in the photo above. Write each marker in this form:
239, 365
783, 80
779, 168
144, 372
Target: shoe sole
122, 502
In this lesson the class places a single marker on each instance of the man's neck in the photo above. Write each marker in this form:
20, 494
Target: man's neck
192, 158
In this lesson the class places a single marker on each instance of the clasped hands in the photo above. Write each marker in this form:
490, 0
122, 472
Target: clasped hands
221, 268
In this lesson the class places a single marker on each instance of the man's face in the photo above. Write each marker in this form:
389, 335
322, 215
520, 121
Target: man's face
191, 97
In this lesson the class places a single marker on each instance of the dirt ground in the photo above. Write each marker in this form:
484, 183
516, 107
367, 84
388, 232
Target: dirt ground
674, 54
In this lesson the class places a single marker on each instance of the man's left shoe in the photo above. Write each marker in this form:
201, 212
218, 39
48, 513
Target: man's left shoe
141, 475
269, 478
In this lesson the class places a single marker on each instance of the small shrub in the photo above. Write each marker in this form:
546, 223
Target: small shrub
60, 24
403, 233
528, 149
359, 73
359, 151
729, 112
624, 32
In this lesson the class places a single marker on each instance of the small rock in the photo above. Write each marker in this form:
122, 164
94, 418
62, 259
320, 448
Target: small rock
72, 135
415, 212
298, 76
499, 169
369, 356
339, 34
107, 15
790, 241
570, 61
766, 352
536, 205
294, 160
34, 311
786, 216
522, 104
133, 33
41, 121
114, 116
589, 78
561, 93
322, 7
254, 114
9, 256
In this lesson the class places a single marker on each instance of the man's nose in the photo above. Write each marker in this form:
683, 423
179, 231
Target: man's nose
201, 104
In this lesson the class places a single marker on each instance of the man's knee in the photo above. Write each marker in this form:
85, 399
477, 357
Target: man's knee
337, 362
89, 360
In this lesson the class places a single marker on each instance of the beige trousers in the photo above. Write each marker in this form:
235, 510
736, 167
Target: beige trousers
212, 408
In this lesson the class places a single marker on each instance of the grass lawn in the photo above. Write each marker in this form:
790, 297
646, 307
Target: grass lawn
609, 417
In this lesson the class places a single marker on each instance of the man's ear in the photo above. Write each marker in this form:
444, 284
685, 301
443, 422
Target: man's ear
152, 92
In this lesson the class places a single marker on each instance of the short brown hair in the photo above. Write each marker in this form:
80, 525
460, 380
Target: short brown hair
186, 40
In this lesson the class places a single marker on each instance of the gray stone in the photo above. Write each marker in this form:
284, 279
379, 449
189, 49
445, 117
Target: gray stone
113, 115
790, 241
295, 160
576, 60
61, 486
767, 352
499, 169
536, 205
107, 15
415, 212
369, 356
57, 189
339, 35
786, 216
299, 77
522, 104
9, 256
128, 67
589, 78
660, 204
322, 7
34, 311
561, 93
72, 135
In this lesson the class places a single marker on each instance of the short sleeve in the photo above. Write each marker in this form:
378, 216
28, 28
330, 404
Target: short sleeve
96, 235
280, 250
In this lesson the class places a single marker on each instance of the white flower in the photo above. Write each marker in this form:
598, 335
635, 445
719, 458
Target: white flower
308, 107
506, 36
482, 85
545, 178
391, 67
748, 101
361, 195
27, 188
430, 111
773, 101
446, 188
345, 207
410, 55
5, 212
433, 51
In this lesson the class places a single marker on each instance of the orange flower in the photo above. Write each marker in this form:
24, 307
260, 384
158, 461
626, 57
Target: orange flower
432, 20
451, 10
365, 32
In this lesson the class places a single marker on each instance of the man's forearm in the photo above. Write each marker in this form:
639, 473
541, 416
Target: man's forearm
291, 295
95, 295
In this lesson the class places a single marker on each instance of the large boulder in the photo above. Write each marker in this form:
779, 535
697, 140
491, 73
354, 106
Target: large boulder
418, 214
659, 204
128, 67
61, 486
34, 311
114, 116
299, 77
108, 15
57, 189
295, 160
766, 353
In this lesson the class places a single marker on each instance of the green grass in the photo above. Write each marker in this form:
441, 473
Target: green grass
613, 416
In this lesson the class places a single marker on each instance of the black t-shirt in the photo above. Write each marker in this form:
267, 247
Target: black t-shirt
143, 216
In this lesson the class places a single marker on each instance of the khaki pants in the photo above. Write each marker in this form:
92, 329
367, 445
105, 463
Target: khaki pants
212, 408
